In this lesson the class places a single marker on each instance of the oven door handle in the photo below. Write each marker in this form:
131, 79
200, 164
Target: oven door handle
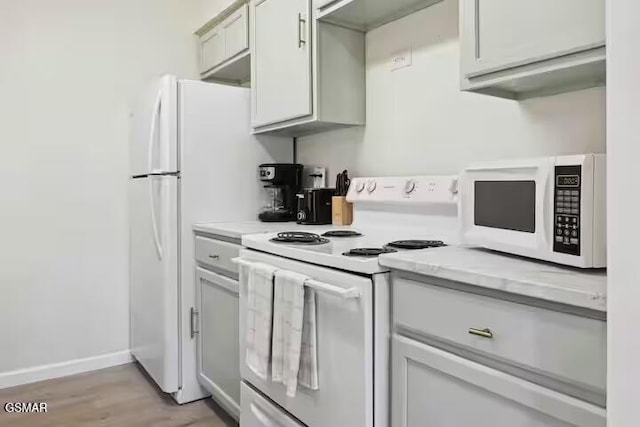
548, 218
350, 293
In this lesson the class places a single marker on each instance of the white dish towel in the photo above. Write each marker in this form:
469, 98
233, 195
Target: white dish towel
259, 316
294, 347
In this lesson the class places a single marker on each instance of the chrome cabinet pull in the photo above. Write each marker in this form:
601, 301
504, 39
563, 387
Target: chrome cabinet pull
301, 21
484, 333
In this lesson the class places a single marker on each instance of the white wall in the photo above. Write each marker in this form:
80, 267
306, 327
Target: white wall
68, 69
623, 147
418, 121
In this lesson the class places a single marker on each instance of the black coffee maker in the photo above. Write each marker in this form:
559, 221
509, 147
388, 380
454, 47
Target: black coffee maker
282, 182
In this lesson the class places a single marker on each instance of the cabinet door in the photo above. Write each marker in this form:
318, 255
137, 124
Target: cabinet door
433, 388
236, 32
218, 343
211, 49
281, 58
500, 34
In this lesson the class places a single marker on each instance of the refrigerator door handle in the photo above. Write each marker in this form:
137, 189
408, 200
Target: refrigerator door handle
154, 221
152, 131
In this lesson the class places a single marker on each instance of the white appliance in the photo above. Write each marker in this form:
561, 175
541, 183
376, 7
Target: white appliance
551, 208
352, 300
192, 160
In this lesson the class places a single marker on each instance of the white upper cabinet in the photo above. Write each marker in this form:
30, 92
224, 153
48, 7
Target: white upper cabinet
307, 76
282, 61
223, 45
518, 48
236, 32
211, 49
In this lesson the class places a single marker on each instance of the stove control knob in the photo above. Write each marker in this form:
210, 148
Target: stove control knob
409, 186
371, 186
360, 187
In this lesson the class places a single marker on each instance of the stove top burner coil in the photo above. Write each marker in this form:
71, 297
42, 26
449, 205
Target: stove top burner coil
368, 252
416, 244
299, 237
342, 233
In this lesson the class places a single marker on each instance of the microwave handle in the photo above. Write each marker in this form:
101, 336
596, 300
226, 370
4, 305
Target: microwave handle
547, 218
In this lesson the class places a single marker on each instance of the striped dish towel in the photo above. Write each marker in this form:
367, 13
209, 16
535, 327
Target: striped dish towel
308, 374
294, 352
259, 313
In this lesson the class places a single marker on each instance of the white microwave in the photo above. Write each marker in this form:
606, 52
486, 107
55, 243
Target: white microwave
551, 208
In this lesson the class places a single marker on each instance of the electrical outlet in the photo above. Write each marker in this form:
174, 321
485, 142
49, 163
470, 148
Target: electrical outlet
401, 59
315, 177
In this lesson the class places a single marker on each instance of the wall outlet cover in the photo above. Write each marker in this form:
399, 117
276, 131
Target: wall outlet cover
315, 177
401, 59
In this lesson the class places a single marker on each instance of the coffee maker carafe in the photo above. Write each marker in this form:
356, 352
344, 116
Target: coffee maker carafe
282, 182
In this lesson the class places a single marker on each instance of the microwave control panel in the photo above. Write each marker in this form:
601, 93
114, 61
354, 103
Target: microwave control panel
566, 210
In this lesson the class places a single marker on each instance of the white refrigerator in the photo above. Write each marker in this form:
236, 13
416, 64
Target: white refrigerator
193, 159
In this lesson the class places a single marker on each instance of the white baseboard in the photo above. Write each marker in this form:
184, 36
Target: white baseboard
57, 370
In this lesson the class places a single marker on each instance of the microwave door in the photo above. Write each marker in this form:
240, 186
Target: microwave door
504, 206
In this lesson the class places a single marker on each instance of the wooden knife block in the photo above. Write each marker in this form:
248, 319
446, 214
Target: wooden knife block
342, 211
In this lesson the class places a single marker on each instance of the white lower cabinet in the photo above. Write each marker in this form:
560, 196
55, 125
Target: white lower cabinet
218, 338
257, 411
435, 388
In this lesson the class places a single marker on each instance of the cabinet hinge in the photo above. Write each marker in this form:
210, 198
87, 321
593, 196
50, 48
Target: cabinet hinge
195, 317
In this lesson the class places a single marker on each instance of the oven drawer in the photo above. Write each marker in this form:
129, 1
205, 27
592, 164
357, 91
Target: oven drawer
564, 347
217, 254
260, 412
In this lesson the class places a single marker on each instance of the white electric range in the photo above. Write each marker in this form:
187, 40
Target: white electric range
352, 299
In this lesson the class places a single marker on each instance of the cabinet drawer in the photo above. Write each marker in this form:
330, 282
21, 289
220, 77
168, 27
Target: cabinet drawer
432, 387
564, 347
217, 254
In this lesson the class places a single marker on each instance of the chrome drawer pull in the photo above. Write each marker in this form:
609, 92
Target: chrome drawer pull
214, 256
484, 333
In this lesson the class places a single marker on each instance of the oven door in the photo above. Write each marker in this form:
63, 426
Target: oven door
345, 349
508, 206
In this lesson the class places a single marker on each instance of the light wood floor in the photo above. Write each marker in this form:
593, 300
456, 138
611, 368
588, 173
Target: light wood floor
120, 396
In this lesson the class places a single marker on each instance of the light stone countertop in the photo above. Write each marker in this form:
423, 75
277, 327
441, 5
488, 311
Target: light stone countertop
492, 270
235, 230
